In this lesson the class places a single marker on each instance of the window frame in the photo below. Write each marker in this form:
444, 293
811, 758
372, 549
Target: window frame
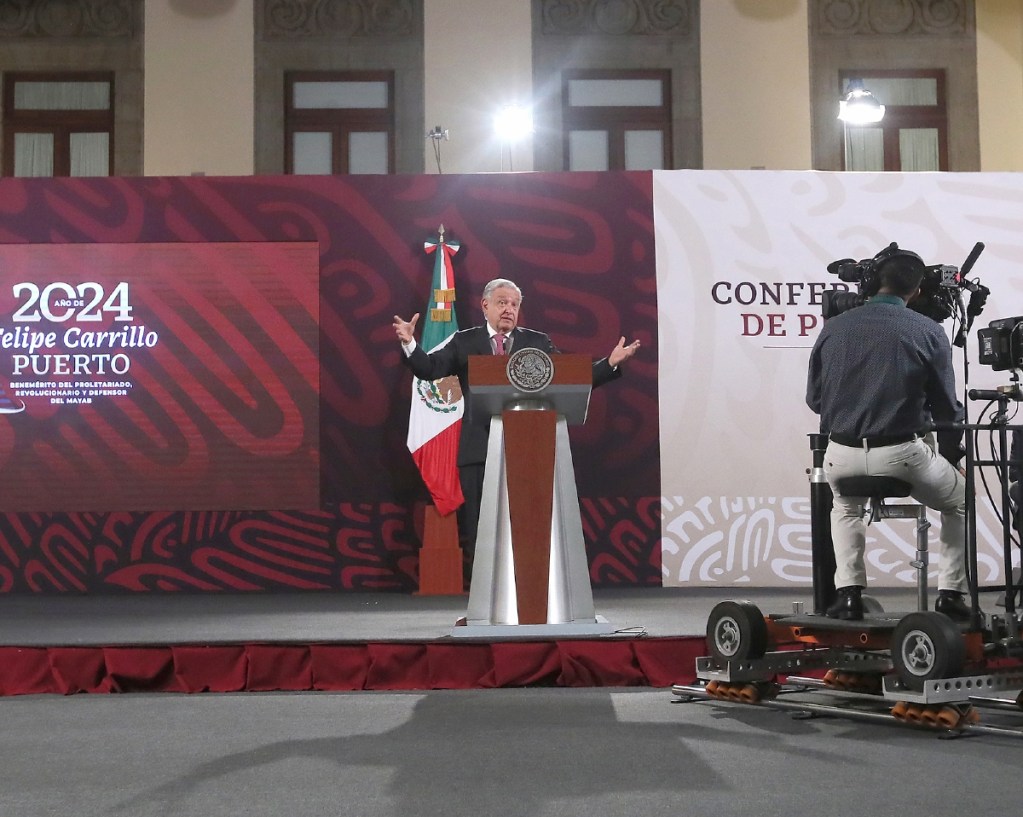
903, 117
61, 123
616, 120
339, 122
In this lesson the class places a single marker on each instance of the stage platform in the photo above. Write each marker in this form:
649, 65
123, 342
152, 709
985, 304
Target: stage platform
341, 641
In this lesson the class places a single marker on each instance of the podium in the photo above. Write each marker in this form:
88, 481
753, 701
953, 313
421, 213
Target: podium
530, 575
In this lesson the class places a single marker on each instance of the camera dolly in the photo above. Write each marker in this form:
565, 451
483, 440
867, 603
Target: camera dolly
919, 668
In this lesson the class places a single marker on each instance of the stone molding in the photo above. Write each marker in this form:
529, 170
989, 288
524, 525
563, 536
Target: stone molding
331, 19
108, 19
618, 17
949, 18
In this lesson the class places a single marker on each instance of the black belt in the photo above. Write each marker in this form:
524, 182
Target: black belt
874, 442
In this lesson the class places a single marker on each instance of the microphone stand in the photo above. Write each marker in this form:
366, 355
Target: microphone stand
976, 619
971, 499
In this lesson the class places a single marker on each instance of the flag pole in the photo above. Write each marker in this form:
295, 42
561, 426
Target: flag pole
434, 425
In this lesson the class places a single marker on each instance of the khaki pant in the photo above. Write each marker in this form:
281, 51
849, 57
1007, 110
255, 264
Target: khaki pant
936, 484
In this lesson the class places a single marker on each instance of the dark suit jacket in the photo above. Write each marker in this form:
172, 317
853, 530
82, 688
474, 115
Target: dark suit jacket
453, 359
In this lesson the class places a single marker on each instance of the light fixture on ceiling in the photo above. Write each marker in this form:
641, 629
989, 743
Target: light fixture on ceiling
858, 106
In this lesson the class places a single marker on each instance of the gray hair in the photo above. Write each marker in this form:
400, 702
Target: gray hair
488, 290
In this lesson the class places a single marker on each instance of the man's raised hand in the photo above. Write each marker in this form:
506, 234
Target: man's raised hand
405, 330
621, 352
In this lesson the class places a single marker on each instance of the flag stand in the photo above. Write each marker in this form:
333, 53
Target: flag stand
440, 557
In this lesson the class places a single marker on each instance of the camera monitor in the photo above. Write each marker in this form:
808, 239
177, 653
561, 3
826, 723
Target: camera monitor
1001, 344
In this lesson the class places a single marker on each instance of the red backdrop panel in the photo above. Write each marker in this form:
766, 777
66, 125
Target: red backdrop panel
147, 376
581, 246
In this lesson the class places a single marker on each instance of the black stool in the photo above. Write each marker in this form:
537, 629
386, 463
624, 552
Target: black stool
877, 490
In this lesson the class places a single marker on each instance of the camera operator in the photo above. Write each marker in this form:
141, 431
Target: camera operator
878, 375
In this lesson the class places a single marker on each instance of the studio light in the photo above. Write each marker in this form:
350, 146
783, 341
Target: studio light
858, 106
513, 123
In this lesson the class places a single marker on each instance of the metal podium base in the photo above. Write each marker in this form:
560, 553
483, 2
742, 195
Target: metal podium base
583, 627
493, 604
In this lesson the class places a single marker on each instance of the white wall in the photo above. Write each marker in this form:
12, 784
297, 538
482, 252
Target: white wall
478, 58
1000, 83
755, 84
199, 81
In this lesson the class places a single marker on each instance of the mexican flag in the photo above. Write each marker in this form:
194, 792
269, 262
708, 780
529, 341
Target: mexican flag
437, 407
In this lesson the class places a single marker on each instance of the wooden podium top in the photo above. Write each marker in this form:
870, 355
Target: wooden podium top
568, 392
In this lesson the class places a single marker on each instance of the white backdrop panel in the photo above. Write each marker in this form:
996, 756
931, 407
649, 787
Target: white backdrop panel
742, 262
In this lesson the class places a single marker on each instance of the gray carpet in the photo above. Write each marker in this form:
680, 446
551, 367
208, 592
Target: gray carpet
310, 617
501, 753
528, 752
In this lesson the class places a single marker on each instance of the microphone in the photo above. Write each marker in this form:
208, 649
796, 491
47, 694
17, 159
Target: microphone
971, 259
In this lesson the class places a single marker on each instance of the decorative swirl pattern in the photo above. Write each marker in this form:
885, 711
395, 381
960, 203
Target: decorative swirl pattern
311, 19
391, 17
670, 15
564, 16
892, 17
15, 18
68, 18
840, 16
285, 17
110, 18
617, 17
57, 18
334, 17
943, 15
767, 542
629, 525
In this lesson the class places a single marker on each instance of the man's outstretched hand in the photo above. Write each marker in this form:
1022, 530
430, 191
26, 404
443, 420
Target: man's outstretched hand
405, 330
620, 353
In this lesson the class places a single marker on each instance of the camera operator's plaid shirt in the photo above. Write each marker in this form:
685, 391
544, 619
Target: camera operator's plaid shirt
883, 370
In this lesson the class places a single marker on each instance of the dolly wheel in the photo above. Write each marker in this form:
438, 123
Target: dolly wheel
736, 630
927, 646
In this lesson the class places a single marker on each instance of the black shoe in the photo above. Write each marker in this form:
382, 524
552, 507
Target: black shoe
848, 604
950, 602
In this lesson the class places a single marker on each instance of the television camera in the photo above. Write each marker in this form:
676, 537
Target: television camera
940, 291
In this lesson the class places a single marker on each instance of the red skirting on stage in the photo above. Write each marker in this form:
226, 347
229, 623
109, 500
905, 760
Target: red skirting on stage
655, 662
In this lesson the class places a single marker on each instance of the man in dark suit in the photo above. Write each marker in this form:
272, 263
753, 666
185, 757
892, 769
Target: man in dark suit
500, 334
